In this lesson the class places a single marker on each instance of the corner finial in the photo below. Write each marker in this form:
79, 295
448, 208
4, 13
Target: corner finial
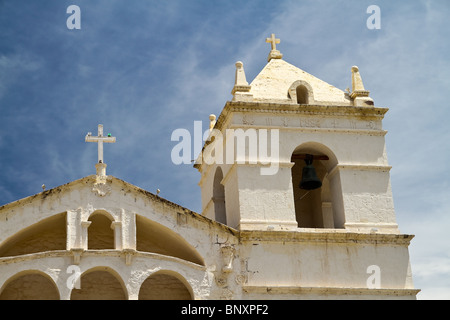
274, 53
357, 84
241, 89
359, 94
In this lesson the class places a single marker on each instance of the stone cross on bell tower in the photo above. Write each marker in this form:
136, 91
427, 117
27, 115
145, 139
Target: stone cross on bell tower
100, 139
274, 53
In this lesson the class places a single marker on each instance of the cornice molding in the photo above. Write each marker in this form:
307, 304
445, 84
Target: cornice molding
330, 290
325, 236
368, 113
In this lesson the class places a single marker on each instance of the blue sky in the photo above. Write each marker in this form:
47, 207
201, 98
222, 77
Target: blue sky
146, 68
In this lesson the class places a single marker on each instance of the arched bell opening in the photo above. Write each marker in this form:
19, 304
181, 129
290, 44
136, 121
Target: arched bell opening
317, 193
100, 233
219, 197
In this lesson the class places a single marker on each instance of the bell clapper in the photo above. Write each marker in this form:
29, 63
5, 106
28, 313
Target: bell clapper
304, 195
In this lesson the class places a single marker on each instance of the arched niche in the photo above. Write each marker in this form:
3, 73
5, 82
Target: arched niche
219, 197
301, 92
100, 283
322, 207
30, 285
100, 231
46, 235
165, 285
156, 238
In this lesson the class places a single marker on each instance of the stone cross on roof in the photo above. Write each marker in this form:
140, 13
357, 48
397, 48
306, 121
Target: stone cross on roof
274, 53
273, 41
100, 139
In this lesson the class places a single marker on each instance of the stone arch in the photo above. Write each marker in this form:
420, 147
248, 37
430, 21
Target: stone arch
156, 238
165, 285
323, 207
30, 285
301, 92
100, 283
46, 235
101, 231
219, 197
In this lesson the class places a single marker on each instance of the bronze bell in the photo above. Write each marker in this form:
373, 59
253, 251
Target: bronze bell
309, 181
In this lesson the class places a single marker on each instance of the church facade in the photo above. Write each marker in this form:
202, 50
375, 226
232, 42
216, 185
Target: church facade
262, 233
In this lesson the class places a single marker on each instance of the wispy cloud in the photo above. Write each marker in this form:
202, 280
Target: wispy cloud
15, 65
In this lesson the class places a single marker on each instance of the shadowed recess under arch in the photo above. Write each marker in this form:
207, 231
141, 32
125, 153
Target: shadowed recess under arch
46, 235
165, 285
29, 285
154, 237
100, 283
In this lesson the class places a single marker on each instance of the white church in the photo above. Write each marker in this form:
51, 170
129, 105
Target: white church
315, 222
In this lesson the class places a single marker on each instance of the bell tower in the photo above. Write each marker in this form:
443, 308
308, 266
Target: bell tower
292, 152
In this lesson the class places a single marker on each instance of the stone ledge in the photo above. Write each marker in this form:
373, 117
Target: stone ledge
324, 236
330, 290
317, 108
100, 254
287, 107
